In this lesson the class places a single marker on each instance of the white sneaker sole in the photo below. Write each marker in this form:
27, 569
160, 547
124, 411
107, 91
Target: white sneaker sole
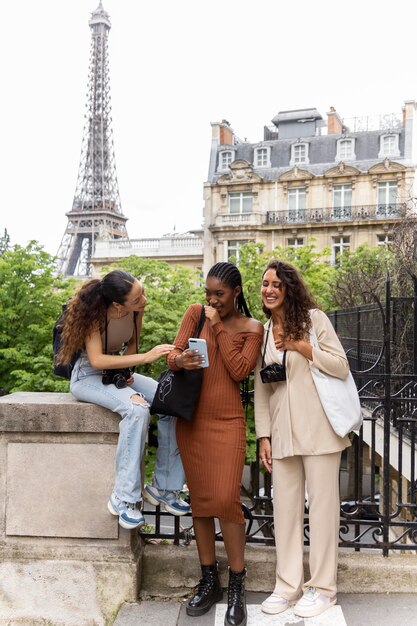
314, 610
111, 509
122, 523
129, 526
278, 609
151, 500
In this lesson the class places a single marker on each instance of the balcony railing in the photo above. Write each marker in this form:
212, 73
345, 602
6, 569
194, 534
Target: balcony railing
336, 214
252, 218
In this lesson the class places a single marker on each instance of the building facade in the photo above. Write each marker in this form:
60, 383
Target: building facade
334, 183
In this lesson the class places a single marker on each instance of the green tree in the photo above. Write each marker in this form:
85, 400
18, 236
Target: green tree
31, 297
360, 276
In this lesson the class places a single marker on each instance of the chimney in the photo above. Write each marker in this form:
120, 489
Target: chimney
334, 122
223, 133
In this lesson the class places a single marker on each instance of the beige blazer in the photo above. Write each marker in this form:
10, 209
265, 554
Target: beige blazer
290, 412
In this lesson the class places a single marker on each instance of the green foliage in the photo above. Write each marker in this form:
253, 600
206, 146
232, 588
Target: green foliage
360, 276
31, 297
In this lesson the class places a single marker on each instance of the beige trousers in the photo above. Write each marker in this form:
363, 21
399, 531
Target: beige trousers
320, 474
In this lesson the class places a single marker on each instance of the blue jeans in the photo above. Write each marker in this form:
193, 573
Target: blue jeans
86, 386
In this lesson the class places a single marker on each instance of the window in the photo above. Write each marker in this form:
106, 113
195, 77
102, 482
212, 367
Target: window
262, 157
342, 202
296, 204
389, 145
295, 242
233, 248
381, 240
340, 244
240, 202
345, 150
387, 198
299, 153
225, 159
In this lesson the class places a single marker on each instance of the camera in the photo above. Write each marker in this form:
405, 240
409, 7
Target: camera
273, 373
119, 377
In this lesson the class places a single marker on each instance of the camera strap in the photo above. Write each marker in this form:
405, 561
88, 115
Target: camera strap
266, 343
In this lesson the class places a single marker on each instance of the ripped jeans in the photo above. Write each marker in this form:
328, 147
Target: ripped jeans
86, 386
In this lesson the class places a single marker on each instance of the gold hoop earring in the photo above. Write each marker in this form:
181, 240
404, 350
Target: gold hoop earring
236, 299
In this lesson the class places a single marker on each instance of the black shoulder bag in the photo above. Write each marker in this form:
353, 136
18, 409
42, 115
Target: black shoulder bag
178, 391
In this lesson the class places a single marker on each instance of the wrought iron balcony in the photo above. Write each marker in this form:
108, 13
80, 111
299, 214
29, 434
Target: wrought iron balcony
336, 214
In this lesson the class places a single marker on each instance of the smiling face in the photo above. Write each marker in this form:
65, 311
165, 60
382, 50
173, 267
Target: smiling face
272, 291
135, 300
220, 296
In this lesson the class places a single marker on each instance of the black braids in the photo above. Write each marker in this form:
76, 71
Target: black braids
230, 275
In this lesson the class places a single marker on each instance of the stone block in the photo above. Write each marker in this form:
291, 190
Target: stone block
60, 490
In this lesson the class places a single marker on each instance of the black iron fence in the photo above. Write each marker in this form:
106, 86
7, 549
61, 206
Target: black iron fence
378, 473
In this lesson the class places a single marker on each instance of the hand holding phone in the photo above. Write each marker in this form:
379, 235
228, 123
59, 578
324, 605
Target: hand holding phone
195, 343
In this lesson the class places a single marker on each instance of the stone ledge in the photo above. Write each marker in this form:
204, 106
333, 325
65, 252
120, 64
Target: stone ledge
171, 571
53, 412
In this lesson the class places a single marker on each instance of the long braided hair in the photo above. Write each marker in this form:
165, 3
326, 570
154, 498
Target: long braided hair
86, 312
229, 274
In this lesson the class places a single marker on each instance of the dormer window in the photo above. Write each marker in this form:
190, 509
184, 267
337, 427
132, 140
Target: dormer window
389, 145
299, 154
262, 157
345, 150
226, 157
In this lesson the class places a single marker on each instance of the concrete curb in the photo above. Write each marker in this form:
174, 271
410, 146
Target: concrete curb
171, 571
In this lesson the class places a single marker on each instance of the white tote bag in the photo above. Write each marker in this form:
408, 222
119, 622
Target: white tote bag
339, 398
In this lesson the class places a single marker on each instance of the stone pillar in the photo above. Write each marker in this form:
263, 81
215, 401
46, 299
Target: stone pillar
64, 558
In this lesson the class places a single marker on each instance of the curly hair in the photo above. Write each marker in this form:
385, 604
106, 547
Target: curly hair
86, 312
298, 300
229, 274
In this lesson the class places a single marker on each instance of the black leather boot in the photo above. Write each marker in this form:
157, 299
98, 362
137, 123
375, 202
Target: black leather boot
207, 592
236, 602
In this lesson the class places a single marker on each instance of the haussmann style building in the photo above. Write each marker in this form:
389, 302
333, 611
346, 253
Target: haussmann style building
331, 182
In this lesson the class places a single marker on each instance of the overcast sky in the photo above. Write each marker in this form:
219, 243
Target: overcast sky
174, 68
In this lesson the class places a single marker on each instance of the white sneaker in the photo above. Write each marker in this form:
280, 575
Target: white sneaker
313, 603
275, 604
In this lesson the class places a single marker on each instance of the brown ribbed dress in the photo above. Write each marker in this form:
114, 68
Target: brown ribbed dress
213, 445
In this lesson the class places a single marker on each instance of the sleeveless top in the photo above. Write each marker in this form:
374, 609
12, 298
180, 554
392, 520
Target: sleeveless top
119, 332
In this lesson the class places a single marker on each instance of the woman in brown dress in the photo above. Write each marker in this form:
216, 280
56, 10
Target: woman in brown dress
212, 446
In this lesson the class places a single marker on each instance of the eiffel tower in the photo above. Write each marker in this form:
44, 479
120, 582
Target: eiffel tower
96, 208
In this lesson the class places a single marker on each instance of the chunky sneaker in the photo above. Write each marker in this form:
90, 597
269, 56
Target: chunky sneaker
313, 603
275, 604
130, 516
169, 499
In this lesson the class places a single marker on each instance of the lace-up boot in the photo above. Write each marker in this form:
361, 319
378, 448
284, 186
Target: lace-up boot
236, 602
207, 592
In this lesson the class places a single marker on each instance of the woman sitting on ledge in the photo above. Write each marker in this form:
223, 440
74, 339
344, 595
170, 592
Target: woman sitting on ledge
103, 321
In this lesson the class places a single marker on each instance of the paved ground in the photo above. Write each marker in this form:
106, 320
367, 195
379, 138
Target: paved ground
352, 610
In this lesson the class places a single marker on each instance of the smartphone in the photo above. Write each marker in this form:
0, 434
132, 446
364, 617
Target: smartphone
200, 345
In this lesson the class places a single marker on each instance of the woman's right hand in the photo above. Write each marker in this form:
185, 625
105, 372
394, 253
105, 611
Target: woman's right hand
189, 359
157, 352
265, 453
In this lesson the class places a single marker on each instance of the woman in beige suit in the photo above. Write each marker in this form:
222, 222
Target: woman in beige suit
297, 443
